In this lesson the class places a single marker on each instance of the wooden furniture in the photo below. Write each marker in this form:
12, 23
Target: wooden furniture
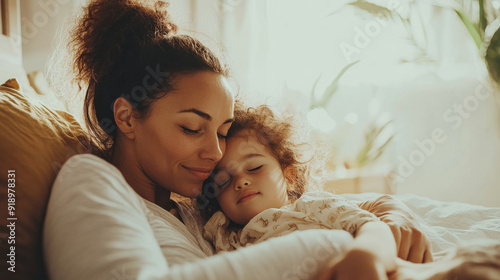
360, 181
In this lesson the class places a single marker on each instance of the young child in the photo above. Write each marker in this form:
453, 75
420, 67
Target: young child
258, 192
258, 189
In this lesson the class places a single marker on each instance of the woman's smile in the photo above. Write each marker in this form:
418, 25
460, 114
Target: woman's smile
201, 173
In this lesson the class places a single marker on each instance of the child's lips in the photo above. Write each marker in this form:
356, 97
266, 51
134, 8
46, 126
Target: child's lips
246, 195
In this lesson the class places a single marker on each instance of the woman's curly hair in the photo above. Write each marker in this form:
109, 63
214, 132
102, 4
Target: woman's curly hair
287, 142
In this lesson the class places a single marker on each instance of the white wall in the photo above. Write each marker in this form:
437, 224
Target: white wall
447, 135
40, 21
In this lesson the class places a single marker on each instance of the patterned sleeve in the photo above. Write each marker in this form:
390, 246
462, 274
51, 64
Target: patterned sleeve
217, 233
333, 211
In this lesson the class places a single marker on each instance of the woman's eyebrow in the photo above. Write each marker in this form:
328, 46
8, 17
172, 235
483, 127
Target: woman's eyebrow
198, 112
203, 115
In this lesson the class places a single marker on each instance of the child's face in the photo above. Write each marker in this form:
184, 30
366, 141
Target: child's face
251, 179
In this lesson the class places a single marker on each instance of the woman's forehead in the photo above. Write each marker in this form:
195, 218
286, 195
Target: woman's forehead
203, 92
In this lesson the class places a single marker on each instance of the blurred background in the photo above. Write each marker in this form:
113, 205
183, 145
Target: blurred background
399, 89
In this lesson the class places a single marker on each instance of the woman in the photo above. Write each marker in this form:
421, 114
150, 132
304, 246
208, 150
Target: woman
159, 106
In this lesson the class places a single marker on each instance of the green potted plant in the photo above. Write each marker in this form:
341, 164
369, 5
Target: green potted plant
485, 31
353, 175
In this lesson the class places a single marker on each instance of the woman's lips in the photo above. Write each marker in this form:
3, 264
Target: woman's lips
247, 196
200, 173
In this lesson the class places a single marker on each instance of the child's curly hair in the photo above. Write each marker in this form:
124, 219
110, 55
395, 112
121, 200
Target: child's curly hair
285, 139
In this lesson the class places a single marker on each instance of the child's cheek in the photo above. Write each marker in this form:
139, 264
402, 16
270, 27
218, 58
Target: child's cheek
223, 197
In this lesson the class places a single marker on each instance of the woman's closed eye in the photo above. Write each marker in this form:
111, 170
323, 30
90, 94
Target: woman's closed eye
190, 131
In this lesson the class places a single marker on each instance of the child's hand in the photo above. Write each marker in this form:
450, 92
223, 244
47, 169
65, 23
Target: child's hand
356, 264
412, 244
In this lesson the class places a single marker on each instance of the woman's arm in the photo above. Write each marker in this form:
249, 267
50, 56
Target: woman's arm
372, 255
376, 238
97, 229
412, 244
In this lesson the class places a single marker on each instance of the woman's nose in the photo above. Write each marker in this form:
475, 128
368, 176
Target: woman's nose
212, 149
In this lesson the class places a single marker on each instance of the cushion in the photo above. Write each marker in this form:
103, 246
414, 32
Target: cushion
13, 67
35, 142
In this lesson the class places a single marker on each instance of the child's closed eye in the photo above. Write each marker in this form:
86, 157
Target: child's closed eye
225, 184
255, 169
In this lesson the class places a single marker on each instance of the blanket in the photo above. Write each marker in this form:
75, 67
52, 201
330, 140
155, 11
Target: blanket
465, 238
448, 224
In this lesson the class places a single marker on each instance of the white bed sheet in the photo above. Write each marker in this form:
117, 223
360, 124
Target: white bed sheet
448, 224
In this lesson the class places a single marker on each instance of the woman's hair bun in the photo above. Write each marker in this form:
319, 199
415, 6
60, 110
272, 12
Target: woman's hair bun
113, 32
129, 49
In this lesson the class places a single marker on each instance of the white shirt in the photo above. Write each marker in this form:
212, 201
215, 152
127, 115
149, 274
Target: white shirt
98, 227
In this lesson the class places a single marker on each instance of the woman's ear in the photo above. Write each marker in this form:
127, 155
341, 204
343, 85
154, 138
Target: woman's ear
123, 113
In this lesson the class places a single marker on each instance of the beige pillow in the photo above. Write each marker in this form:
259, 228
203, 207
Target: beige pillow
35, 142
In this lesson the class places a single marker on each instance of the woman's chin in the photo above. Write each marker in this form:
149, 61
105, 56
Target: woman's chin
191, 190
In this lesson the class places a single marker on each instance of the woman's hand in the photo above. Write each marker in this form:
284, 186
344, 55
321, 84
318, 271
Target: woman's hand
356, 264
412, 244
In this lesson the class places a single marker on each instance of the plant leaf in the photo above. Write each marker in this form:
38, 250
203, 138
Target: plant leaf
492, 55
362, 156
332, 88
314, 101
471, 27
483, 22
371, 8
380, 149
382, 127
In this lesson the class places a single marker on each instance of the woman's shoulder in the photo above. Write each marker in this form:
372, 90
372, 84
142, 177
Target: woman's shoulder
87, 175
89, 168
87, 163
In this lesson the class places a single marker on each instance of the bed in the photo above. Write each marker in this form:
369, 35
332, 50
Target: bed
37, 137
448, 224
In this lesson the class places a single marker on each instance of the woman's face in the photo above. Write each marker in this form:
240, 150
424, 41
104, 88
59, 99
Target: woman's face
183, 138
250, 177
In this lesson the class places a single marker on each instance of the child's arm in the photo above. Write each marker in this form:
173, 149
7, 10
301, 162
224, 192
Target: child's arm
412, 243
371, 256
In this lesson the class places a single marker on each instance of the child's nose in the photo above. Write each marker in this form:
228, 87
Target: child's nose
241, 184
